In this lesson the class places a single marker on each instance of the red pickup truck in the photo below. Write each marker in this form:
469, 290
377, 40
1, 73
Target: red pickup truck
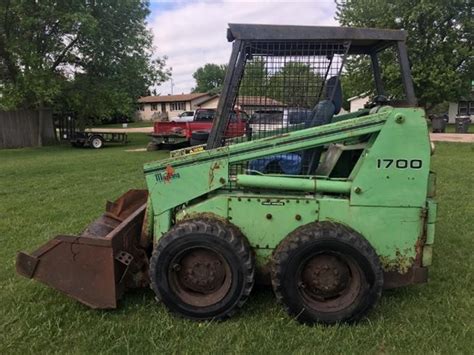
197, 131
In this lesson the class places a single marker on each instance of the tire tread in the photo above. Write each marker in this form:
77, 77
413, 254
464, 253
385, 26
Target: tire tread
220, 229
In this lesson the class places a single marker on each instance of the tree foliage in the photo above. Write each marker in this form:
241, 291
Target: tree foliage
209, 78
439, 45
93, 57
294, 84
254, 80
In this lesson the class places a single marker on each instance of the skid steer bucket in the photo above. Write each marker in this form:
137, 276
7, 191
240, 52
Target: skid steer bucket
96, 266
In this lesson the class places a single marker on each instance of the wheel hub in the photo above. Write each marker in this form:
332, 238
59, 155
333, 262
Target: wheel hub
325, 276
201, 271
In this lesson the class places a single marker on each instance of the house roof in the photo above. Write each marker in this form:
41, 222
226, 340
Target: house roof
250, 101
258, 101
170, 98
209, 99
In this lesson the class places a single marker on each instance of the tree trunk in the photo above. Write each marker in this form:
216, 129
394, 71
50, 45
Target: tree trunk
40, 124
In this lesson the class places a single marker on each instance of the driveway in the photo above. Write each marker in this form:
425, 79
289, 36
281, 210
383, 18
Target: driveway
452, 137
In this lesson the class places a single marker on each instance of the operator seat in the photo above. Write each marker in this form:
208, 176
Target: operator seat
305, 162
322, 114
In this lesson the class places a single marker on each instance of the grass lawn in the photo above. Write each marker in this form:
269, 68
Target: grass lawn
44, 192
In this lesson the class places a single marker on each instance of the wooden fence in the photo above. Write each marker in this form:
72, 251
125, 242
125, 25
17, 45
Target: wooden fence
26, 128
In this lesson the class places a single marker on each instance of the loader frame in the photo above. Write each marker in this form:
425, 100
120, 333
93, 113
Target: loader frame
362, 199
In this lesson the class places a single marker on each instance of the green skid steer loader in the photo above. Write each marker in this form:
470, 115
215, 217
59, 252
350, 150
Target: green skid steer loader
327, 207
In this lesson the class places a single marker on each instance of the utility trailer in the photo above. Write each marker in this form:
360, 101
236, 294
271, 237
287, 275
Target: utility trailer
68, 131
329, 211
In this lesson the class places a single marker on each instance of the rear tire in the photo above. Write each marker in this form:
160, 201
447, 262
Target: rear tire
199, 137
202, 269
96, 142
194, 142
324, 272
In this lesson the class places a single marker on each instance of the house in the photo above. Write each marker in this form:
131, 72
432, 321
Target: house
210, 102
151, 107
358, 102
245, 103
255, 103
463, 107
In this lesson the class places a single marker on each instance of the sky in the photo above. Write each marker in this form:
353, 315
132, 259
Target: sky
192, 33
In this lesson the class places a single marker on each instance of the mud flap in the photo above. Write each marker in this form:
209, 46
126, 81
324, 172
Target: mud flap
97, 266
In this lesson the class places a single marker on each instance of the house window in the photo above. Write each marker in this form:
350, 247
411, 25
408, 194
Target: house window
178, 106
462, 107
141, 107
154, 107
465, 108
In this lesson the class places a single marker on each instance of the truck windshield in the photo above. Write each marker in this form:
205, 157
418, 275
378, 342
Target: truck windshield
205, 115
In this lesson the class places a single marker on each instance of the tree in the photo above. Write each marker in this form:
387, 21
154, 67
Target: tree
209, 78
91, 57
254, 80
295, 85
439, 44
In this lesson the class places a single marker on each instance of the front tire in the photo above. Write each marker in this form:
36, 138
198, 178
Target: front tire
151, 147
202, 269
324, 272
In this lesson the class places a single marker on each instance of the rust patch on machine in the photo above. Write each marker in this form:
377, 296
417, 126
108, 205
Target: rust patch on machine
422, 238
169, 172
400, 264
414, 275
215, 166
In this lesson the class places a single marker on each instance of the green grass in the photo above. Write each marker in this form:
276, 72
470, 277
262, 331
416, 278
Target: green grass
59, 189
